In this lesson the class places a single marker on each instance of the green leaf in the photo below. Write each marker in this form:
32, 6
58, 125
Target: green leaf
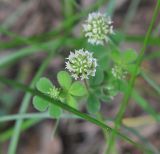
103, 62
101, 55
131, 68
106, 98
39, 103
72, 101
64, 79
115, 56
54, 111
44, 85
126, 57
98, 78
77, 89
93, 104
108, 92
129, 56
117, 38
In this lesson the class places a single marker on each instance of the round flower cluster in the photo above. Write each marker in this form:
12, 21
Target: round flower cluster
54, 92
81, 64
97, 28
118, 72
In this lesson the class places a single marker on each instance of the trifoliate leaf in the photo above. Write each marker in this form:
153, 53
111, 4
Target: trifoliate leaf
132, 68
129, 56
115, 55
77, 89
44, 85
54, 111
64, 79
93, 104
98, 78
39, 103
125, 57
72, 101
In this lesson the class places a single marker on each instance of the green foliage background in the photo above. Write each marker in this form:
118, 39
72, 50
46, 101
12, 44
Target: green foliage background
60, 37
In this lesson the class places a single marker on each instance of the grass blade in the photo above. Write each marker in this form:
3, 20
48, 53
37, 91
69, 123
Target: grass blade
9, 59
64, 26
131, 13
25, 102
27, 124
128, 93
33, 116
140, 39
151, 82
145, 105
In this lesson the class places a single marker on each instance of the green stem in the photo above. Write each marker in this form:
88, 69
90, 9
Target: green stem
105, 132
86, 85
98, 115
55, 128
128, 93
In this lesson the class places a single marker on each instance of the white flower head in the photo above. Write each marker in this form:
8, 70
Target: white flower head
81, 64
119, 73
97, 28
